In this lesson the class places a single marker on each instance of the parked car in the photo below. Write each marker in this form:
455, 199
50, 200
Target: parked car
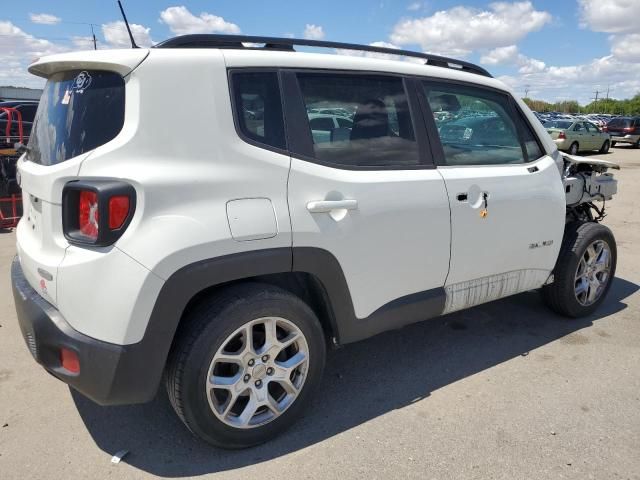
624, 130
324, 127
225, 265
575, 136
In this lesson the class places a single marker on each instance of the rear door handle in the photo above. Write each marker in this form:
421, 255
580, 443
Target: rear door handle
326, 206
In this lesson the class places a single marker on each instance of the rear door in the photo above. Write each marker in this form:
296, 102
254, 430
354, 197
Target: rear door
506, 195
594, 134
371, 195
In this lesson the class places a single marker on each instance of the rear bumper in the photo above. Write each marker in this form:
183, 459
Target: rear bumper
625, 138
109, 374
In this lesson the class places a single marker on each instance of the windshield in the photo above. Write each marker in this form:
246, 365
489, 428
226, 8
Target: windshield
562, 124
79, 111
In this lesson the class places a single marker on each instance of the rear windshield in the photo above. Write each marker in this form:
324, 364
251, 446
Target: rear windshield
79, 111
620, 123
563, 124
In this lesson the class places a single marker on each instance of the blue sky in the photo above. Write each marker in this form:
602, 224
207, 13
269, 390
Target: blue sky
552, 49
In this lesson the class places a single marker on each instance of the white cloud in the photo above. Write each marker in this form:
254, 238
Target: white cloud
44, 18
461, 30
412, 7
83, 43
182, 22
116, 35
17, 50
626, 47
511, 56
611, 16
580, 81
313, 32
500, 55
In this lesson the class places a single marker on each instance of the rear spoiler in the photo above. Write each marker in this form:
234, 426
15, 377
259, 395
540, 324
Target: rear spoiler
120, 61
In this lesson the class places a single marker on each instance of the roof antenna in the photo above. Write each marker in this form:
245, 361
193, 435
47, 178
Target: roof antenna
133, 42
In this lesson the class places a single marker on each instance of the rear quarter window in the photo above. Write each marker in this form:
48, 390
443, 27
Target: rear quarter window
79, 111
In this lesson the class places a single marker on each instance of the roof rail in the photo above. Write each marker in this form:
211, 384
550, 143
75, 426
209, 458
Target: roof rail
287, 44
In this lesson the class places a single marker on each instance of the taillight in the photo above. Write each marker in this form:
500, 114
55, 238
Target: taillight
118, 211
562, 136
627, 129
605, 128
88, 214
96, 212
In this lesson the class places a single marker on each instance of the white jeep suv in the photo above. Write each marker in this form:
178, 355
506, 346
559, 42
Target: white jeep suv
182, 224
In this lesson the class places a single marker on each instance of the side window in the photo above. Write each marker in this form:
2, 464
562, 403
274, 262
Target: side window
578, 127
344, 122
258, 107
478, 127
374, 127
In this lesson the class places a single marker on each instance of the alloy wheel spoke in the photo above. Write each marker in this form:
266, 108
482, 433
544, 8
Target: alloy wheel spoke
271, 335
249, 411
294, 362
582, 287
591, 252
594, 288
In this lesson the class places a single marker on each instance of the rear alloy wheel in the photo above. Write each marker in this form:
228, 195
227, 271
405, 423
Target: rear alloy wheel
245, 364
583, 273
573, 149
257, 373
605, 147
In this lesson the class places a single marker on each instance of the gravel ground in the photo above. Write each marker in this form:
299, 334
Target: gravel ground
506, 390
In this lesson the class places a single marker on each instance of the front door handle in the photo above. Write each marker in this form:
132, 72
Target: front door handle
326, 206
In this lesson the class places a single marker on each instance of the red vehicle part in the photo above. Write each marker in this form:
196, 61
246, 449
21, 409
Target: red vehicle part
10, 211
11, 206
10, 112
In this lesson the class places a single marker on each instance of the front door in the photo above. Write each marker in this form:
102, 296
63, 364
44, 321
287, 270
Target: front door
507, 200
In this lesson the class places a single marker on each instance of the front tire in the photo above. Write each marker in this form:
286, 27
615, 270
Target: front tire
245, 365
573, 149
584, 270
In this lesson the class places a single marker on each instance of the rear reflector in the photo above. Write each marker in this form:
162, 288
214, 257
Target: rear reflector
69, 360
118, 211
88, 214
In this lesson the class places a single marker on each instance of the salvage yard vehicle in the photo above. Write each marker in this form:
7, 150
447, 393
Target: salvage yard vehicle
624, 130
575, 136
226, 265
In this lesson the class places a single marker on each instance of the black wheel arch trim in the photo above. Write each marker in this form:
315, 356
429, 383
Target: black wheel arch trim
150, 354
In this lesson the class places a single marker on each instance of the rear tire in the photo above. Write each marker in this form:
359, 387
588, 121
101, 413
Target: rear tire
232, 379
637, 144
613, 144
573, 149
605, 147
584, 270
